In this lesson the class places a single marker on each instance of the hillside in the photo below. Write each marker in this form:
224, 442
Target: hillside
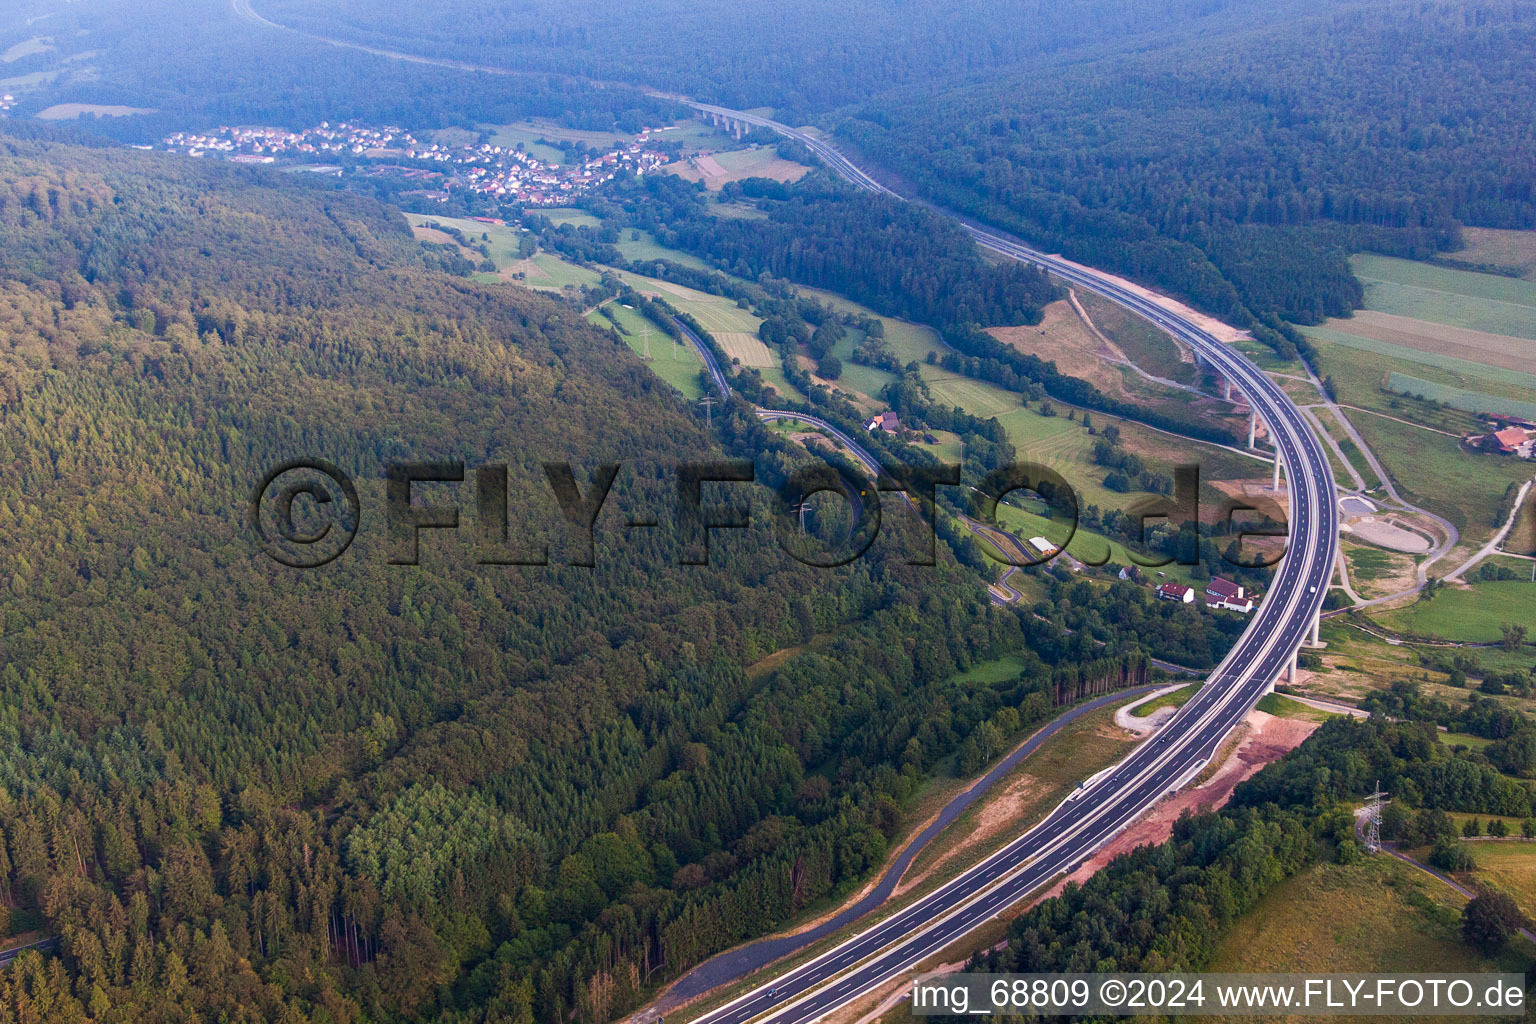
413, 792
1241, 170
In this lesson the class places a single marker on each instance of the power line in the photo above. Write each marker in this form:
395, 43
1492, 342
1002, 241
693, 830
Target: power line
1373, 820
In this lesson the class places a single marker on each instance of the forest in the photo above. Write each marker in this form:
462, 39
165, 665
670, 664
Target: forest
1242, 170
799, 56
195, 64
445, 792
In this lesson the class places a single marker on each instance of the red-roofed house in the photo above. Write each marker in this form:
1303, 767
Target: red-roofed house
1220, 593
1509, 440
1176, 592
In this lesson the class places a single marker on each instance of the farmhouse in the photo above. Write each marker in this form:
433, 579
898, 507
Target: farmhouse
1511, 440
1042, 547
1220, 593
886, 421
1176, 592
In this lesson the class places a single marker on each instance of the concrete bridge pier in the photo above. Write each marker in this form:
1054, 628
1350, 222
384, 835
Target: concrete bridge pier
1315, 638
1253, 426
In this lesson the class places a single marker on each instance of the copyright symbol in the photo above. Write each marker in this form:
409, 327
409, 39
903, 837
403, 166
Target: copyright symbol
304, 513
1112, 992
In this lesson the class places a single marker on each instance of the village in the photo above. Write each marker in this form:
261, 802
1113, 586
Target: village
500, 173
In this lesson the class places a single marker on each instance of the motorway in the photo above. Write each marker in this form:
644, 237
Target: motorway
1111, 801
1115, 798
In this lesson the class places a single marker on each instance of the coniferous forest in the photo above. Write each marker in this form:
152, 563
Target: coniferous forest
446, 791
495, 787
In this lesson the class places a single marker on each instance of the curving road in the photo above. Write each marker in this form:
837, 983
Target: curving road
1115, 798
734, 963
41, 946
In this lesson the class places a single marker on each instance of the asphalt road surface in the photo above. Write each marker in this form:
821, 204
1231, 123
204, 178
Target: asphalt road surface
1111, 801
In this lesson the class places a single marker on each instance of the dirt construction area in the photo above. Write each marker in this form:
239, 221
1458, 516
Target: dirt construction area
1261, 739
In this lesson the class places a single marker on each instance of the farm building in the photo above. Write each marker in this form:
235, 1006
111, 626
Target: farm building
1220, 593
1176, 592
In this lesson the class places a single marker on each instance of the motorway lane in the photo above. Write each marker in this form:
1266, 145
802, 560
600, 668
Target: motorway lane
1200, 724
1161, 764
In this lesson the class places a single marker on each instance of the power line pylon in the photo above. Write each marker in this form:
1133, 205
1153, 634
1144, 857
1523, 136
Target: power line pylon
1373, 819
708, 402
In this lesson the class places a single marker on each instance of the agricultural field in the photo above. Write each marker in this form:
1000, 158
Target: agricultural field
1379, 915
1432, 470
864, 382
645, 247
1464, 342
1441, 295
1508, 865
695, 134
677, 364
746, 349
563, 215
715, 313
546, 270
1512, 253
715, 169
528, 133
736, 211
501, 239
27, 48
1492, 349
1458, 398
1419, 443
1360, 366
1471, 614
68, 111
